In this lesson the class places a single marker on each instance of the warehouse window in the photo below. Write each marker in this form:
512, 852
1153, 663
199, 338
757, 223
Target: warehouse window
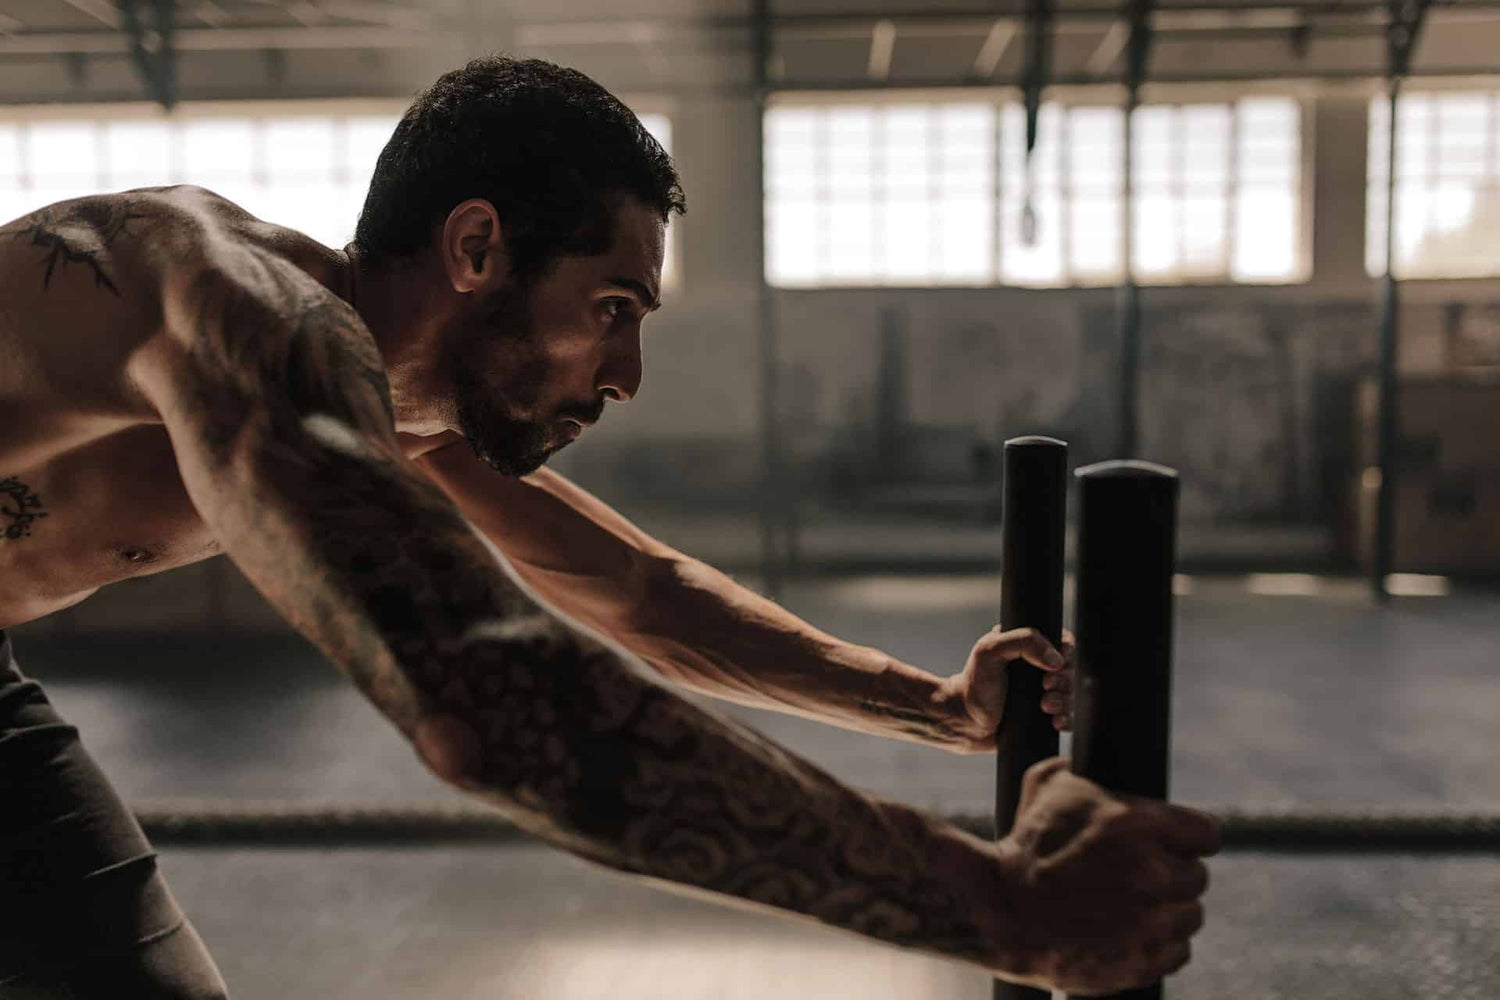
1447, 185
305, 165
935, 194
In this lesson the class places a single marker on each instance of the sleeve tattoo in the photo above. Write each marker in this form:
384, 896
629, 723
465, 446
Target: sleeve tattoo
376, 566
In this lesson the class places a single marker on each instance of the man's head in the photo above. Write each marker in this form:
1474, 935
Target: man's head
541, 201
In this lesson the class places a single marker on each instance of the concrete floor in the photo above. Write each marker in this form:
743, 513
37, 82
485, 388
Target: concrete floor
1279, 701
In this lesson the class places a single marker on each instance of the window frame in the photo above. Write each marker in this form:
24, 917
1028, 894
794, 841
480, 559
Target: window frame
264, 110
1424, 87
1069, 97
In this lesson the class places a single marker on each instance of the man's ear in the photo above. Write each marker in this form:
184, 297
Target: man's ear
473, 246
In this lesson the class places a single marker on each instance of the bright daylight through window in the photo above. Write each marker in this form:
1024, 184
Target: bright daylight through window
305, 165
902, 193
1447, 185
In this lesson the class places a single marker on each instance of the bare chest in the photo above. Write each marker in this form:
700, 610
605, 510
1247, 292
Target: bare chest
113, 509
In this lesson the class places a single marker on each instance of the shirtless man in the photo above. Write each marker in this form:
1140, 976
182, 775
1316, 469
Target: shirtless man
363, 432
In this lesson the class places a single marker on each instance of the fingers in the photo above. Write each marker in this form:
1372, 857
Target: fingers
1171, 958
1188, 831
1173, 949
1182, 920
1057, 701
1021, 644
1171, 877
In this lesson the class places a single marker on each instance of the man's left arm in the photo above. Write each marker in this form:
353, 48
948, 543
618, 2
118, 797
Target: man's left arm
703, 631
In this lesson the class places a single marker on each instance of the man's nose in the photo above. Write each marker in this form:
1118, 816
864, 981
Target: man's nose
620, 374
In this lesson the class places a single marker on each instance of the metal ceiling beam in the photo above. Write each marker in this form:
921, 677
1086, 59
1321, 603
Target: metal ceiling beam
1108, 49
305, 13
1002, 33
210, 14
220, 40
151, 27
1375, 73
882, 48
100, 10
371, 12
393, 27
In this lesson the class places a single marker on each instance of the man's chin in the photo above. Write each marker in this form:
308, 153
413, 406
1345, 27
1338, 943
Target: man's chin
515, 465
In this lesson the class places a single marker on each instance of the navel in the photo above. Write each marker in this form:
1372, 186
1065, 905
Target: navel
137, 555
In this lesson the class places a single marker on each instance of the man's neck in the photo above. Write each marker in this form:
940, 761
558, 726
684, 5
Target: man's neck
394, 302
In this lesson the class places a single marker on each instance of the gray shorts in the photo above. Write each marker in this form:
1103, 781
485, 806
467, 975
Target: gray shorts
84, 913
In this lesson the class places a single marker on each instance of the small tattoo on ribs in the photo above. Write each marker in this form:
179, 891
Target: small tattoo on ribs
20, 508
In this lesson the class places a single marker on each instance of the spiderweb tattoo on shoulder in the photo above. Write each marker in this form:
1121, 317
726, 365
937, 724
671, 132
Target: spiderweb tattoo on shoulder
78, 232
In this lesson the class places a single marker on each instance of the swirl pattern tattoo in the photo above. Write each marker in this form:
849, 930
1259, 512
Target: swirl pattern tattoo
575, 743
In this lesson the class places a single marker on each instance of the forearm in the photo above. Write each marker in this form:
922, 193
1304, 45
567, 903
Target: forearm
705, 632
277, 407
571, 742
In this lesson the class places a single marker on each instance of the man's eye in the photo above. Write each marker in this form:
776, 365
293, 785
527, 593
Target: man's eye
613, 308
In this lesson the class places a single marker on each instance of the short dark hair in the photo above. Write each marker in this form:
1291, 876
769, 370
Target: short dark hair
551, 149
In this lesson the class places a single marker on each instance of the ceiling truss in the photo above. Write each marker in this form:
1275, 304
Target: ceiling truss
917, 47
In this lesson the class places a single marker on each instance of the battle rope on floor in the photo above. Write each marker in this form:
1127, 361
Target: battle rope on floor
292, 824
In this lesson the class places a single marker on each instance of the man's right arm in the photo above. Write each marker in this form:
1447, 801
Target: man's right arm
275, 398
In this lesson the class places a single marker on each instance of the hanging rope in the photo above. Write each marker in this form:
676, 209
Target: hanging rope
1034, 77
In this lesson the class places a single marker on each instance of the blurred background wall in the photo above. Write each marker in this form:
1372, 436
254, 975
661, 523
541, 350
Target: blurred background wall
916, 326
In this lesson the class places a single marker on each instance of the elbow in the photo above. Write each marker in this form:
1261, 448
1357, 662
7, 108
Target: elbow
451, 749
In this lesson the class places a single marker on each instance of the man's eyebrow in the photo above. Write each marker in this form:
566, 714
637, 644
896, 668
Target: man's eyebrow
649, 301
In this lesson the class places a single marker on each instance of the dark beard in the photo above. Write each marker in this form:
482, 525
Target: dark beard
508, 444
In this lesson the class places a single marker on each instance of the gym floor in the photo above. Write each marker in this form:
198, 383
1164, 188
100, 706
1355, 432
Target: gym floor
1311, 701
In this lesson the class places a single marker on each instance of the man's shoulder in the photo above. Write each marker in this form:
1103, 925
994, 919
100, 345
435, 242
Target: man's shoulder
146, 232
209, 215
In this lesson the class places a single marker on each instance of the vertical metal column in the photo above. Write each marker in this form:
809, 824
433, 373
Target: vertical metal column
1127, 526
1137, 51
1388, 420
1128, 301
770, 500
1033, 520
1402, 32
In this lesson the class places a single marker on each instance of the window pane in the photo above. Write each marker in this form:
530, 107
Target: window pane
1095, 168
1447, 211
933, 192
137, 154
1040, 261
792, 243
218, 153
1205, 148
63, 155
964, 240
298, 149
1094, 243
15, 203
1204, 236
1156, 234
1269, 147
366, 136
660, 127
10, 155
1462, 131
1152, 136
1265, 245
907, 237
